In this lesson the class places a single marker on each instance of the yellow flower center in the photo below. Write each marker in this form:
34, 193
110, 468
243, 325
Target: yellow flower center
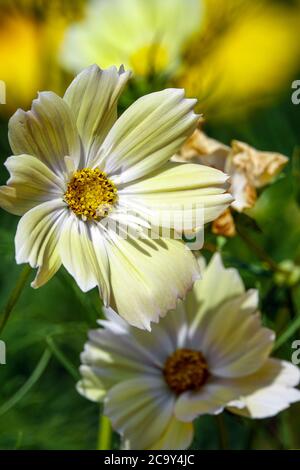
90, 194
150, 58
185, 370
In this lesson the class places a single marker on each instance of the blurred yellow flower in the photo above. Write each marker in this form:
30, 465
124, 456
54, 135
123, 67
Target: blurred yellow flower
144, 35
19, 59
253, 56
31, 32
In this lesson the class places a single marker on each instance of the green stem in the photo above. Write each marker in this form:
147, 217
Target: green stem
223, 436
105, 433
60, 356
14, 297
36, 374
288, 333
258, 250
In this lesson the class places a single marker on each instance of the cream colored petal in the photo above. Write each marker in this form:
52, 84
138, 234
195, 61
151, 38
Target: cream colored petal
165, 337
259, 167
239, 345
83, 253
235, 347
177, 193
90, 386
93, 99
259, 395
272, 390
118, 352
113, 354
121, 352
211, 399
48, 132
174, 177
147, 134
37, 238
148, 350
30, 183
140, 409
178, 436
157, 273
115, 357
217, 285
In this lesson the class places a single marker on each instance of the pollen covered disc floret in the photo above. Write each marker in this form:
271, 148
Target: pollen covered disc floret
185, 369
90, 194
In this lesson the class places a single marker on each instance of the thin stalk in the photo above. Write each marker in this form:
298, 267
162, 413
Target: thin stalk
104, 434
31, 381
14, 296
288, 333
62, 358
258, 250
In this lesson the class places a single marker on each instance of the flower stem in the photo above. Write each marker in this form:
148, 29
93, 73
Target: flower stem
14, 296
27, 386
223, 436
258, 250
288, 333
104, 434
60, 356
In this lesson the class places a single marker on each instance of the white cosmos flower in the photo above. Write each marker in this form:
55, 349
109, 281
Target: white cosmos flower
144, 35
73, 158
209, 354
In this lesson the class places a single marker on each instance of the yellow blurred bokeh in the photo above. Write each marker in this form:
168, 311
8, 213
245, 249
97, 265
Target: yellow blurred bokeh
19, 59
31, 32
254, 55
230, 54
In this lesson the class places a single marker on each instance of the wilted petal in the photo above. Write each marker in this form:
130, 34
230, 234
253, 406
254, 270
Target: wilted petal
224, 225
259, 167
200, 148
242, 189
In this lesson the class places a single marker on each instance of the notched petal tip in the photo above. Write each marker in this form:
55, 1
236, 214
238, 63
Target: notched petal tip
122, 71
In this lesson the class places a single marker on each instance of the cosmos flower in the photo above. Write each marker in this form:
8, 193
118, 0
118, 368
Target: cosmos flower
248, 168
77, 171
145, 35
209, 354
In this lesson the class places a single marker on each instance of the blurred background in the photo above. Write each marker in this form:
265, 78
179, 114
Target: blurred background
239, 58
